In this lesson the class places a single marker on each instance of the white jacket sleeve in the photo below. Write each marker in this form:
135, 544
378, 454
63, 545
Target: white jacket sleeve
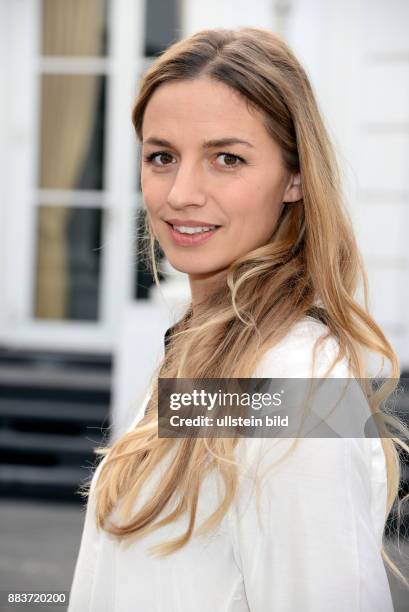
313, 542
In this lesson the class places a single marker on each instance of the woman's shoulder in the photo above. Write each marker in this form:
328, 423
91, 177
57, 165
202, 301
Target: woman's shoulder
292, 356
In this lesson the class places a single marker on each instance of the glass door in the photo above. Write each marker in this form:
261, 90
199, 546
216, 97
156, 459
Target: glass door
71, 209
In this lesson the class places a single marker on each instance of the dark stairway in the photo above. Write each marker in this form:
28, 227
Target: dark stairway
54, 410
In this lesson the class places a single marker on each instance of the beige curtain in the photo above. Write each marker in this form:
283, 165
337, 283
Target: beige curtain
70, 28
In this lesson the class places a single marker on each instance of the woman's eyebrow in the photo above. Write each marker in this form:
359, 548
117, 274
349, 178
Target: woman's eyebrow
208, 144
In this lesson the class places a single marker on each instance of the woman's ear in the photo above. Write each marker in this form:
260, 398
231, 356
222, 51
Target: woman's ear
293, 192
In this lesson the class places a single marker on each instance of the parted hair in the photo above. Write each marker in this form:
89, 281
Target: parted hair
312, 253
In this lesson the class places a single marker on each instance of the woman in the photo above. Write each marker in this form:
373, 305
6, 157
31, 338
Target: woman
242, 193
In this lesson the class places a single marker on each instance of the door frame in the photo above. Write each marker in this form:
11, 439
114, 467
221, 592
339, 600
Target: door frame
20, 66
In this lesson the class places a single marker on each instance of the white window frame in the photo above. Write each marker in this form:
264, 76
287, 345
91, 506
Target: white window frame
20, 66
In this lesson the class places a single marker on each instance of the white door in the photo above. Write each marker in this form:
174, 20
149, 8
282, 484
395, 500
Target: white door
69, 166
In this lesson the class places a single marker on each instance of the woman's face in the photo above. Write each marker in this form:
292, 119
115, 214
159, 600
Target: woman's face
206, 158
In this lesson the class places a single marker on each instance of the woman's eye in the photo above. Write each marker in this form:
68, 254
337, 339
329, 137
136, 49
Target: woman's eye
163, 155
230, 160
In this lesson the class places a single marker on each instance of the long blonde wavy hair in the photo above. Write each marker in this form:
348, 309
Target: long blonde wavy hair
312, 252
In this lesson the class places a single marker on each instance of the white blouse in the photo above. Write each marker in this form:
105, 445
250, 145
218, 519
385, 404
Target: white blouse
312, 545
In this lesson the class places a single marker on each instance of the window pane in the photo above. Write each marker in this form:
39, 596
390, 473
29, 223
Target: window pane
68, 263
72, 131
162, 25
74, 27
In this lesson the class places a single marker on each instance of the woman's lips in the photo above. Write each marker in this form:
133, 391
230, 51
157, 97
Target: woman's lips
190, 239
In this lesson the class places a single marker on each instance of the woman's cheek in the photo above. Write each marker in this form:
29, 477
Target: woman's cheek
154, 195
151, 197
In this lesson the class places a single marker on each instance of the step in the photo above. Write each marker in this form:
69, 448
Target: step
26, 408
51, 483
26, 375
38, 475
28, 442
23, 355
68, 393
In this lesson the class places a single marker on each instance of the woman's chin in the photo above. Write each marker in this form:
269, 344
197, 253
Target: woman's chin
194, 269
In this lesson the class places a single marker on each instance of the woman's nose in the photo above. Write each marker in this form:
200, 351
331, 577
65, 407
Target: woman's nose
187, 188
